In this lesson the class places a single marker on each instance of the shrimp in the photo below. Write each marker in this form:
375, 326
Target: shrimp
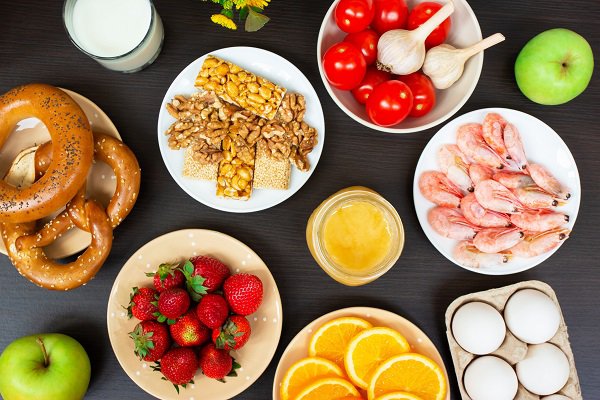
493, 196
477, 215
495, 240
438, 189
479, 173
513, 143
450, 223
455, 165
540, 243
513, 180
493, 134
539, 221
534, 197
549, 183
467, 255
470, 141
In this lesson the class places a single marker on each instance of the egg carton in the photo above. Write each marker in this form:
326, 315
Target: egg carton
512, 349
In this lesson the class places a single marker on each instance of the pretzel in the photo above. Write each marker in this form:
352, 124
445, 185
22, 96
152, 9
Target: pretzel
72, 152
33, 263
127, 172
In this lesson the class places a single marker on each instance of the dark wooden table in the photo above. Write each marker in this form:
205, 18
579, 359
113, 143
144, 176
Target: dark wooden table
35, 47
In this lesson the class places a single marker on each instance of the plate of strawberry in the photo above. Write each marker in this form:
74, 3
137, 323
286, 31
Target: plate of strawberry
194, 314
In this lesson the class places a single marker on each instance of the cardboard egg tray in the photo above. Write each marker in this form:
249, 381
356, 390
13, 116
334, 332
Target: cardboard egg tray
512, 349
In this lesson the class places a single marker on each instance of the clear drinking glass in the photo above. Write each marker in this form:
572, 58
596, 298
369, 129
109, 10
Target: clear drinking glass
121, 35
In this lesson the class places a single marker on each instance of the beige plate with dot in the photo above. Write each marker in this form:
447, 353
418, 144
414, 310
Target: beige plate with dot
266, 323
298, 347
101, 184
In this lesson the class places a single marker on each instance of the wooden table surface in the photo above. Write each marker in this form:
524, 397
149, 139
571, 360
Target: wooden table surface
35, 47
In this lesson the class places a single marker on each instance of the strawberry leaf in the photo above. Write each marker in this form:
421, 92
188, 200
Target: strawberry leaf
193, 283
234, 367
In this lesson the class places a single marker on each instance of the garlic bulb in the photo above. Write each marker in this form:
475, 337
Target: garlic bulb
402, 52
444, 64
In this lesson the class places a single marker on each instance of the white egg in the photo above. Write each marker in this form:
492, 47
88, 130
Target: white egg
478, 328
490, 378
544, 370
556, 397
532, 316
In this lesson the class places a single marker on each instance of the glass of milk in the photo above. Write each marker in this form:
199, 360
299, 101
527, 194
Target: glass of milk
122, 35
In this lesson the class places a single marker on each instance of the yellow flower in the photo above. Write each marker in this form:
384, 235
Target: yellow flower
251, 3
222, 20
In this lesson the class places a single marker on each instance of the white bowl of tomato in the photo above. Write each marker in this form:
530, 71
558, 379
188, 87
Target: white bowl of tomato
382, 101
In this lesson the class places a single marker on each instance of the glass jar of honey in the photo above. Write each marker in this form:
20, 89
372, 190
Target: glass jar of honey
355, 235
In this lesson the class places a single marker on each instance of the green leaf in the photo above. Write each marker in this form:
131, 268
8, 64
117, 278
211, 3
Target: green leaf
188, 267
162, 318
255, 20
243, 13
227, 12
170, 321
149, 274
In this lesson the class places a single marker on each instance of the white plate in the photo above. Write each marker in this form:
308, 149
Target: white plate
542, 145
272, 67
265, 323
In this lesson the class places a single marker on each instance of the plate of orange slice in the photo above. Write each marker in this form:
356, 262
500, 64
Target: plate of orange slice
361, 353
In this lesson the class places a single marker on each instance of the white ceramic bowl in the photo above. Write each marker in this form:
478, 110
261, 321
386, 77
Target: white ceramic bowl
465, 31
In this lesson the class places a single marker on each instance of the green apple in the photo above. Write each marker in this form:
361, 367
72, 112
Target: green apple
48, 366
554, 67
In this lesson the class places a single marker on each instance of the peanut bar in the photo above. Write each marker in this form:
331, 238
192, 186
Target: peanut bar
240, 87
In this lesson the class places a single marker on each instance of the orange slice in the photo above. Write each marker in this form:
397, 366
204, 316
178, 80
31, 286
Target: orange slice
328, 388
332, 338
410, 372
398, 396
367, 350
304, 372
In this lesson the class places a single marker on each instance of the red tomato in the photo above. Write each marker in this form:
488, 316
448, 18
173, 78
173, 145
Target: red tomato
421, 13
344, 66
366, 41
389, 103
389, 14
423, 93
373, 77
354, 15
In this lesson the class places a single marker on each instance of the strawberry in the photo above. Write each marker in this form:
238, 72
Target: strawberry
217, 363
151, 340
212, 270
168, 276
233, 335
244, 293
141, 303
172, 304
189, 331
193, 283
212, 310
178, 365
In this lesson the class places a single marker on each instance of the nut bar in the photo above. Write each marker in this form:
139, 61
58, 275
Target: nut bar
240, 87
236, 170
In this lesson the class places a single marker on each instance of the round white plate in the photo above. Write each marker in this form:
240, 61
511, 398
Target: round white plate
272, 67
265, 323
542, 145
298, 347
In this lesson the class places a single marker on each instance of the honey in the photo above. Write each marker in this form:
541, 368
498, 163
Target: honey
357, 236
